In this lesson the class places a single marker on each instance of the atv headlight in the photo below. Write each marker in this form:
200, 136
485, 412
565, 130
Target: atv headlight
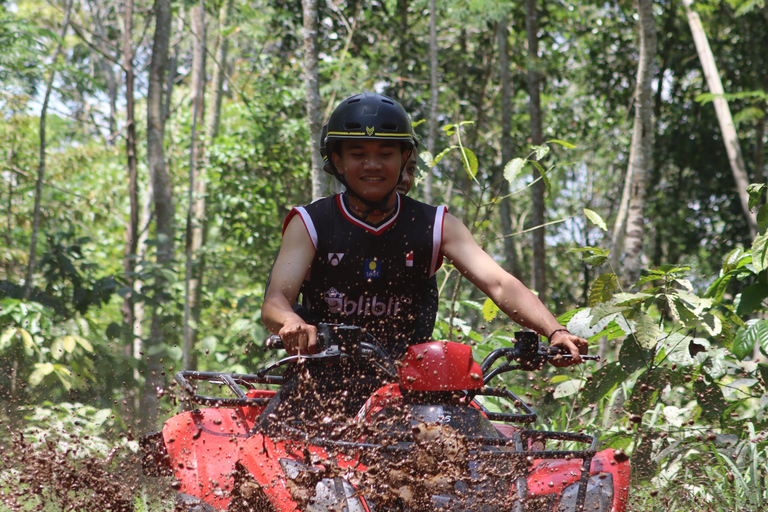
318, 494
599, 495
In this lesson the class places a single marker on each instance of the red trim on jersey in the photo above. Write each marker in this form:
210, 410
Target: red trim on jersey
306, 220
376, 230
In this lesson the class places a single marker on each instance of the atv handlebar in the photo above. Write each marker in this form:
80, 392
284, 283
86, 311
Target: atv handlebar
528, 353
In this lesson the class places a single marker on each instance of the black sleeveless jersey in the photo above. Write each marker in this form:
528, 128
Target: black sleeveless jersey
377, 277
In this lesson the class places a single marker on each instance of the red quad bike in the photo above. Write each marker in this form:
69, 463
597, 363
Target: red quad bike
421, 443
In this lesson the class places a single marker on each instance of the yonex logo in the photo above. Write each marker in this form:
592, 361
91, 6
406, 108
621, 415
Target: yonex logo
334, 258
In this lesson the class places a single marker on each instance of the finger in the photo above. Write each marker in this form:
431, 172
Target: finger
312, 345
574, 350
303, 342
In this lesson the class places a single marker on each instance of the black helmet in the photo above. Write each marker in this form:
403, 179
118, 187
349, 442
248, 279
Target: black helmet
367, 116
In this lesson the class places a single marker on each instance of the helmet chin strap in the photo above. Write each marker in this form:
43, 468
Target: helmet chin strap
372, 206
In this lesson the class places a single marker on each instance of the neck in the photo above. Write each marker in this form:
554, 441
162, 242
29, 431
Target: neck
364, 213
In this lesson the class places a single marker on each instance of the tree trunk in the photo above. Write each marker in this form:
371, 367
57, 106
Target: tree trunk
106, 69
434, 90
219, 73
132, 227
314, 115
539, 272
507, 151
28, 282
196, 193
730, 137
164, 208
640, 151
402, 55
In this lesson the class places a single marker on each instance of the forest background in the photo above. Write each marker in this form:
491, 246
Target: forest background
610, 155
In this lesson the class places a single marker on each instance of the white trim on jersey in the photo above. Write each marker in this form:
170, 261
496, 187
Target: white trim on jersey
307, 220
437, 239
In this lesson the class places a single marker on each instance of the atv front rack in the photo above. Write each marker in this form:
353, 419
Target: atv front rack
235, 381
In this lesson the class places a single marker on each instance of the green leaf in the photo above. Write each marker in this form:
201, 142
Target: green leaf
762, 217
596, 250
717, 289
604, 381
751, 299
513, 169
603, 310
101, 416
760, 252
594, 260
6, 338
745, 339
647, 330
57, 349
68, 343
543, 174
626, 299
29, 342
490, 310
602, 288
596, 219
541, 151
209, 344
41, 371
175, 353
470, 162
568, 388
755, 191
84, 343
442, 154
427, 158
562, 143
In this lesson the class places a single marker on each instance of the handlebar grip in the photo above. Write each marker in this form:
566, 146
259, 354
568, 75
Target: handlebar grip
274, 342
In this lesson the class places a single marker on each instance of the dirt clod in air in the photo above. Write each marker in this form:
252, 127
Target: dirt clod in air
41, 477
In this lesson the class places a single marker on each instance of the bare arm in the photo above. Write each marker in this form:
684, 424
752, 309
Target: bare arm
512, 296
292, 264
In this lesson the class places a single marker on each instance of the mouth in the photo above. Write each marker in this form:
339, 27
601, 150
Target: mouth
373, 178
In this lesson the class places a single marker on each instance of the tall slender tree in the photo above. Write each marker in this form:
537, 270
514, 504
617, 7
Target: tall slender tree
133, 344
28, 283
434, 88
728, 129
162, 194
539, 271
640, 150
314, 106
507, 151
196, 192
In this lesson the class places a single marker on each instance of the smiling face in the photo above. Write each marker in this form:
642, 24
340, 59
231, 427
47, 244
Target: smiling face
370, 167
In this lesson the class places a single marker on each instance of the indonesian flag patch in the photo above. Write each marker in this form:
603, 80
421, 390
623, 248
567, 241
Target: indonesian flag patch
409, 259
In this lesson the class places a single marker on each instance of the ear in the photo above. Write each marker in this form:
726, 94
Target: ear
337, 162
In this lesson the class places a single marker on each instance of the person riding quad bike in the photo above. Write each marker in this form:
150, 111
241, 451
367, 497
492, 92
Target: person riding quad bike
364, 257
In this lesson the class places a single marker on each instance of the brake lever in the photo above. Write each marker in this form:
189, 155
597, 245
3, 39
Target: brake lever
553, 352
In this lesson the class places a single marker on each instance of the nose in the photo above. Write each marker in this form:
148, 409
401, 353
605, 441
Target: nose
372, 162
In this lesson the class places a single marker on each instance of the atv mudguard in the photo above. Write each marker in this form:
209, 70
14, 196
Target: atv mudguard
204, 446
553, 476
267, 461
